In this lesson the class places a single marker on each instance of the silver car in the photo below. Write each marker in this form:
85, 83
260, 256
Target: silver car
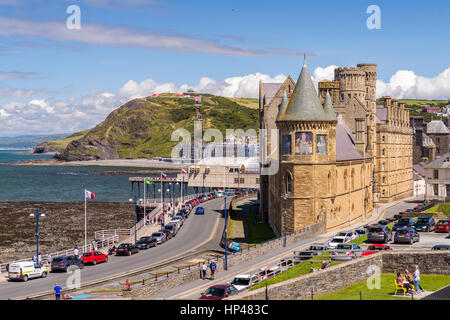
159, 236
346, 251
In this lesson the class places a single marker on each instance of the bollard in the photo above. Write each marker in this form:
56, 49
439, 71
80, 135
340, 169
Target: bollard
178, 270
143, 281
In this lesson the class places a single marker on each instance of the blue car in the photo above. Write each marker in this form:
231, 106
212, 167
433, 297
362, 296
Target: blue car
200, 210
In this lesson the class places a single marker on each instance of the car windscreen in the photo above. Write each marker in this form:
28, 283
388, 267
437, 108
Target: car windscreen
422, 220
344, 247
241, 281
214, 292
156, 234
317, 248
84, 255
403, 231
403, 221
57, 260
337, 240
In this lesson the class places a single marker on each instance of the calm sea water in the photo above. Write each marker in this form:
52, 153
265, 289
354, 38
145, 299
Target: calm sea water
61, 183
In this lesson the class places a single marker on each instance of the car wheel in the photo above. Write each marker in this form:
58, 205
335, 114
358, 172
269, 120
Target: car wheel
94, 262
25, 278
44, 274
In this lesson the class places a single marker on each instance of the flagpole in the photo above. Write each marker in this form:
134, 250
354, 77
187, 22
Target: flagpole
145, 182
162, 204
85, 221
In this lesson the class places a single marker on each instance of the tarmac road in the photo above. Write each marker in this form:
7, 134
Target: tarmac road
199, 232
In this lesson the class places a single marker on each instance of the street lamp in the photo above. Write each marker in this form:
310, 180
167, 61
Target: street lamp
135, 201
37, 215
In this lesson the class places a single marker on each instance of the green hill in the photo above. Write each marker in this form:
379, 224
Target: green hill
142, 128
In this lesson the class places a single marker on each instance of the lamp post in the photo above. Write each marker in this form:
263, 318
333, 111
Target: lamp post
284, 197
37, 215
226, 235
135, 201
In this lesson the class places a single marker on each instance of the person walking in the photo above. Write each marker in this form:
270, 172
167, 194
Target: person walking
204, 268
212, 266
94, 245
75, 251
49, 258
417, 279
57, 290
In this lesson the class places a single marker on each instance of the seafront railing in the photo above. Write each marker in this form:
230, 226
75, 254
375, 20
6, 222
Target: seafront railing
105, 242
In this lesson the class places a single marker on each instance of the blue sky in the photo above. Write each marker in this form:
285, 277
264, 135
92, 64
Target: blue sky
179, 42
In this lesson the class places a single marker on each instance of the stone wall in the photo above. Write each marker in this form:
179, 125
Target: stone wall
317, 283
186, 276
343, 275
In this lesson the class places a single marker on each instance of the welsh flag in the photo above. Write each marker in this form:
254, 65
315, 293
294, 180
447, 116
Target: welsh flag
227, 168
89, 195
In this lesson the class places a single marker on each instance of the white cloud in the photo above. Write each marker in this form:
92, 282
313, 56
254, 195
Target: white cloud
75, 114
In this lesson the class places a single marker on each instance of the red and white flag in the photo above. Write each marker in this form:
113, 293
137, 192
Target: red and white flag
89, 195
183, 171
163, 176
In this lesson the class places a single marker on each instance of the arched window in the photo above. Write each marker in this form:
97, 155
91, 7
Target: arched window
288, 183
353, 179
345, 180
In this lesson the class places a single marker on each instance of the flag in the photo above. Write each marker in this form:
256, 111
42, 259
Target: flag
227, 168
163, 175
89, 195
183, 171
149, 182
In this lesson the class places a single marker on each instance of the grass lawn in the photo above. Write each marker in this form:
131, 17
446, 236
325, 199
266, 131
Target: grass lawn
429, 282
443, 207
298, 270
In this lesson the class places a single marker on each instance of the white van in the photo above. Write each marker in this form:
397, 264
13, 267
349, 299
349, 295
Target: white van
26, 270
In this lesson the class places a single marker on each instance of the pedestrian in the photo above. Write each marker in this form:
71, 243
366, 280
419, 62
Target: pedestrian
212, 266
75, 251
204, 268
128, 285
39, 258
94, 245
34, 258
417, 279
49, 258
57, 290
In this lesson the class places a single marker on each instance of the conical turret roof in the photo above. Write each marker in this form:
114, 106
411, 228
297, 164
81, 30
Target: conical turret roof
283, 105
304, 104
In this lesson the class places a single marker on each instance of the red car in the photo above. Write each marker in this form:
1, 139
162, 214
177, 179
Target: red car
94, 257
374, 248
218, 292
442, 225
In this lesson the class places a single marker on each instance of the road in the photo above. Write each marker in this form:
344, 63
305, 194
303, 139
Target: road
199, 232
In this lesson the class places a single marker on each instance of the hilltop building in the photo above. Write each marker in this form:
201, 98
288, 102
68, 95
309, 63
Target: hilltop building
339, 153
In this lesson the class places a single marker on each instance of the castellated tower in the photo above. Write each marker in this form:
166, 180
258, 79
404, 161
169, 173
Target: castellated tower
352, 83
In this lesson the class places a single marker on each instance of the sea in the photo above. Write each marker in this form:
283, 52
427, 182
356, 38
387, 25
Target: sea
63, 183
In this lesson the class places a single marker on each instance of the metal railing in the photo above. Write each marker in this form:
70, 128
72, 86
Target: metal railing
107, 241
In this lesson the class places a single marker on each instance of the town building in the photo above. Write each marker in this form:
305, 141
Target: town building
438, 178
339, 153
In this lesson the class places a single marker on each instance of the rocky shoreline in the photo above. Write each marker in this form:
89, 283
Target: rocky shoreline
61, 228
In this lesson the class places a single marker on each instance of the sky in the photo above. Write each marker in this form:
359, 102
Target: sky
55, 78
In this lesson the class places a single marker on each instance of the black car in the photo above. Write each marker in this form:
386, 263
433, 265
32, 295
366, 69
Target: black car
126, 249
441, 247
425, 224
65, 263
146, 242
404, 223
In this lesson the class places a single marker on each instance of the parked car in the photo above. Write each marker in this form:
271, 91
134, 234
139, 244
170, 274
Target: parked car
304, 255
65, 263
349, 235
318, 247
180, 215
170, 231
26, 270
244, 281
178, 221
406, 235
200, 210
404, 223
219, 194
286, 263
94, 257
374, 248
146, 242
268, 272
442, 225
219, 292
159, 236
419, 207
126, 249
361, 231
333, 242
441, 247
379, 234
346, 251
425, 224
384, 222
